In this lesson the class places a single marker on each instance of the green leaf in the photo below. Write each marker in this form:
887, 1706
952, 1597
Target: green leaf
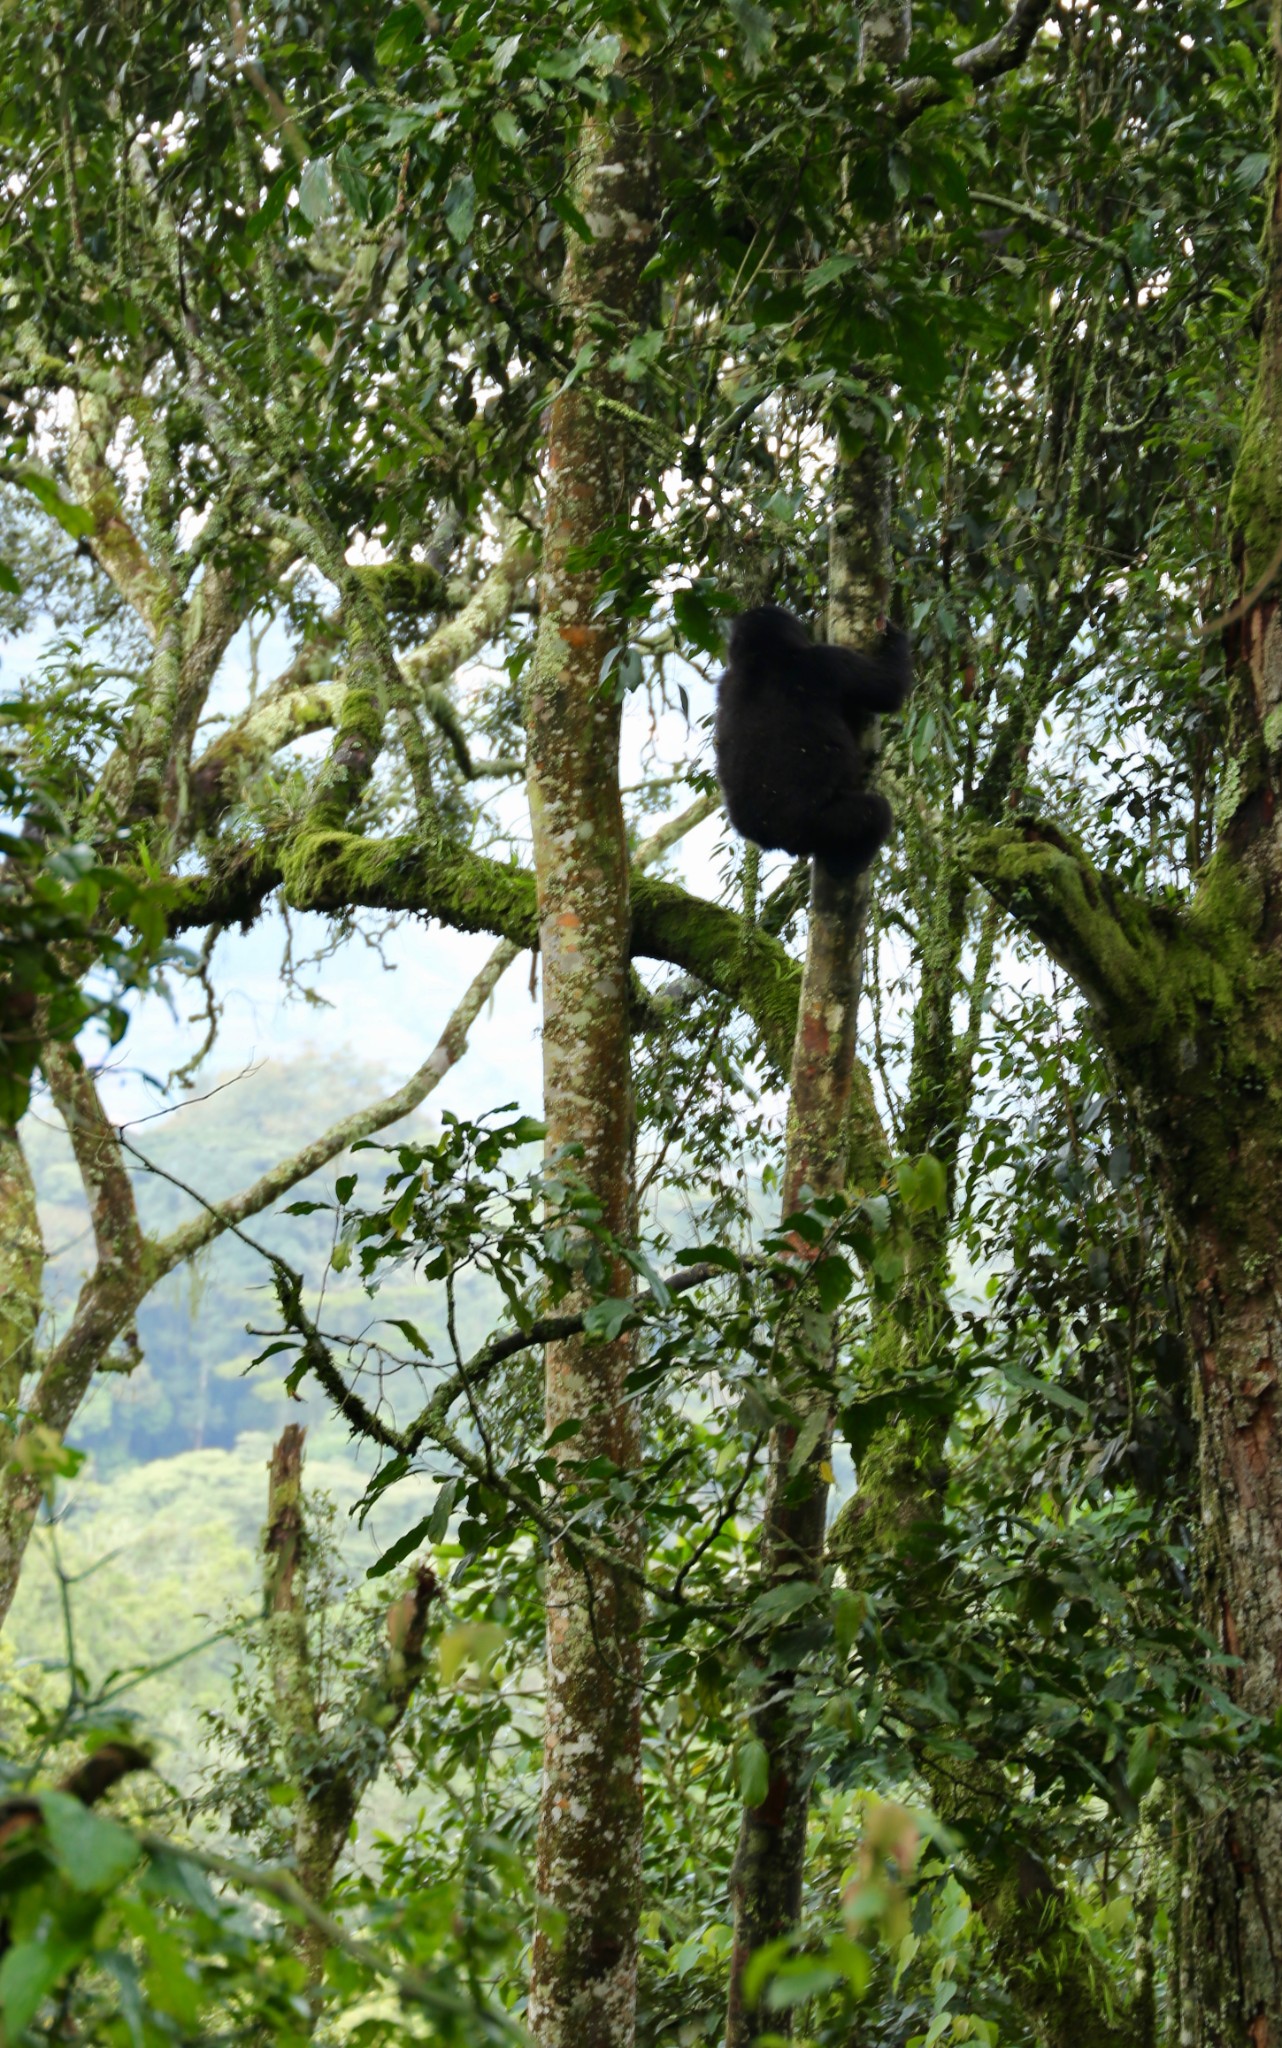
1019, 1376
778, 1602
753, 1765
411, 1333
923, 1184
438, 1522
799, 1978
460, 207
602, 50
761, 1967
641, 1263
400, 37
8, 581
351, 181
699, 622
565, 210
833, 1280
93, 1851
272, 207
710, 1255
476, 1641
29, 1973
315, 195
808, 1439
756, 30
565, 63
1144, 1760
849, 1612
572, 1426
1251, 170
399, 1550
508, 129
15, 1092
605, 1320
73, 519
828, 272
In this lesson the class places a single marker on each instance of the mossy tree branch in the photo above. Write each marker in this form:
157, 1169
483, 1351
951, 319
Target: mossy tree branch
338, 871
1107, 940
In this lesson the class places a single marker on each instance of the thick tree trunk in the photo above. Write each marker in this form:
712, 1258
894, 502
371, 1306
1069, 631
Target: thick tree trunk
1232, 1931
769, 1866
1218, 1127
583, 1990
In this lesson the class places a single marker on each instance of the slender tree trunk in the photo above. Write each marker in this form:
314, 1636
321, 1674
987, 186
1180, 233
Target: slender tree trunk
583, 1990
766, 1881
329, 1768
289, 1666
106, 1301
21, 1273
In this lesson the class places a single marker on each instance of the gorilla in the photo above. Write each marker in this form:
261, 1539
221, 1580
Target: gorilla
790, 719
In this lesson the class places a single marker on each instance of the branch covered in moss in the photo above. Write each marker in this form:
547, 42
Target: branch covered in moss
338, 871
1105, 938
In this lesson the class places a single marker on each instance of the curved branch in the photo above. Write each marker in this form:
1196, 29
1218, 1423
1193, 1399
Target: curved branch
339, 871
1107, 940
188, 1239
983, 62
113, 543
461, 638
250, 743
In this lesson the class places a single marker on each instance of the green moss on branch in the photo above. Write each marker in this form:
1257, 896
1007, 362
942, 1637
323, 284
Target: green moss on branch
1105, 939
332, 870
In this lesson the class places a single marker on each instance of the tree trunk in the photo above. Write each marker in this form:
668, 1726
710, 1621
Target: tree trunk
22, 1259
766, 1880
329, 1768
583, 1989
1235, 1881
106, 1300
1234, 1925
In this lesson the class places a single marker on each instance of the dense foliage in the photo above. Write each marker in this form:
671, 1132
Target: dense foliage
289, 307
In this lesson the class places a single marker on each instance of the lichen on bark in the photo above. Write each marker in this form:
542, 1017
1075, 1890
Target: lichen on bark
583, 1985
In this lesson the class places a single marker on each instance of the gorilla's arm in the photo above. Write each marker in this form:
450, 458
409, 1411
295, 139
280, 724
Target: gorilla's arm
866, 682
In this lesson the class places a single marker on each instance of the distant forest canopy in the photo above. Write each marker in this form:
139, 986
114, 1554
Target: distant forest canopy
194, 1383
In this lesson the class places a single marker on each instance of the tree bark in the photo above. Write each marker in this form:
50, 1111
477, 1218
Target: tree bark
583, 1989
1190, 1006
22, 1257
766, 1880
1233, 1921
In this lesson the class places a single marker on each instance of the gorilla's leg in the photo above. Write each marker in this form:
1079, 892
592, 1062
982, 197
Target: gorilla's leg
849, 829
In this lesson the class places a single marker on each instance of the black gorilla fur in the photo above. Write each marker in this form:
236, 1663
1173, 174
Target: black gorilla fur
790, 716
